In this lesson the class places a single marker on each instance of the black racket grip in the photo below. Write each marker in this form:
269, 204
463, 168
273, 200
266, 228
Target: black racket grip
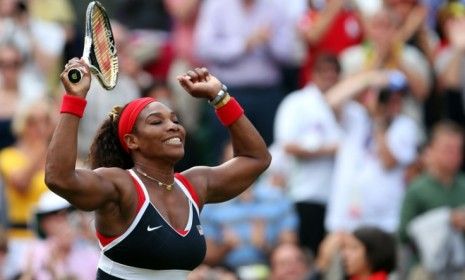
74, 76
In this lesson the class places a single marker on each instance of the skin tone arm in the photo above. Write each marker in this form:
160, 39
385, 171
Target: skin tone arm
450, 77
85, 189
304, 153
352, 86
251, 157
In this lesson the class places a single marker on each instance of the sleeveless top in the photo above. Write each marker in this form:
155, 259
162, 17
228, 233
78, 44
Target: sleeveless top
151, 248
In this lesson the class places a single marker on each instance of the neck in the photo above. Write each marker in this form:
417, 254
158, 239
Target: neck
445, 178
160, 173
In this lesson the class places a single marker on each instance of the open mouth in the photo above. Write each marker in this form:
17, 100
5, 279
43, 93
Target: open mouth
173, 141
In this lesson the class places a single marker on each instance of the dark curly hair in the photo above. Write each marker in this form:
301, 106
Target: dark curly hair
106, 150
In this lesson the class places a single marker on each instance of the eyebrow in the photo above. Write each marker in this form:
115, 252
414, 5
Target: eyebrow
159, 114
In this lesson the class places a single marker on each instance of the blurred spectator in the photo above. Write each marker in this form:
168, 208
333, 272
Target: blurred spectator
3, 205
244, 43
449, 63
3, 252
41, 42
150, 26
294, 11
365, 253
379, 143
413, 26
288, 261
60, 13
60, 253
240, 233
22, 167
184, 18
204, 272
382, 50
329, 30
307, 131
17, 87
442, 185
369, 253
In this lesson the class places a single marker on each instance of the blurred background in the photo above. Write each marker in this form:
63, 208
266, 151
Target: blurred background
360, 102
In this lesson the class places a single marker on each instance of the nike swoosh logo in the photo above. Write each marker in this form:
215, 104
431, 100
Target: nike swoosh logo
153, 228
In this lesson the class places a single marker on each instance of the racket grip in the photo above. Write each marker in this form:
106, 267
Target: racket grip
74, 76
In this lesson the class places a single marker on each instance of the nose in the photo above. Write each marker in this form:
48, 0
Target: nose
174, 126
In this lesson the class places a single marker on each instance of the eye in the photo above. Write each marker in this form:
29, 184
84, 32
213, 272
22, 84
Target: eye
156, 122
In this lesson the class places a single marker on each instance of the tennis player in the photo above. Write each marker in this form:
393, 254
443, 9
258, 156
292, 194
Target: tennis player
146, 215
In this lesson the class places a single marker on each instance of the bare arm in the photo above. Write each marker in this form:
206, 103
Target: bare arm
85, 189
450, 77
352, 86
251, 156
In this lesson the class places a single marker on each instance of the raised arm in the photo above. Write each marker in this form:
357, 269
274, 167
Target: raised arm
251, 156
85, 189
352, 86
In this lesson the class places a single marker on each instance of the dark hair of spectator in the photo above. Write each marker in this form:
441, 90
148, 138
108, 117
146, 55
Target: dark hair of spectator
380, 248
106, 150
324, 59
446, 127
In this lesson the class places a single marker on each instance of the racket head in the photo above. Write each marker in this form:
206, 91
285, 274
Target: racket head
99, 46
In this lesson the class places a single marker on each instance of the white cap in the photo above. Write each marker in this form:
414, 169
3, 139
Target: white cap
51, 202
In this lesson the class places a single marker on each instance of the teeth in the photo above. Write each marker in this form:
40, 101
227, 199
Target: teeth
175, 140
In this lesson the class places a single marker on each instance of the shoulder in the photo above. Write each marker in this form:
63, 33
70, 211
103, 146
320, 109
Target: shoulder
419, 184
296, 98
118, 176
196, 177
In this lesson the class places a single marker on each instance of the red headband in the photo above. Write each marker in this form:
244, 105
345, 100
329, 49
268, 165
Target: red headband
129, 116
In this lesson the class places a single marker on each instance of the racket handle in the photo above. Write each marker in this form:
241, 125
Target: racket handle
74, 75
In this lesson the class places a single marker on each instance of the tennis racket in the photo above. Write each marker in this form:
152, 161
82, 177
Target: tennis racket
99, 48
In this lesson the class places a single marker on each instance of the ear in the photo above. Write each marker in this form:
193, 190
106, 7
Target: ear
131, 141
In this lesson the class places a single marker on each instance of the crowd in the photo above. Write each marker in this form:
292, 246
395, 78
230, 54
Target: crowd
361, 103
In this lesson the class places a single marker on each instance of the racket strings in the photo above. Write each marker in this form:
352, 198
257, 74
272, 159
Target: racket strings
103, 47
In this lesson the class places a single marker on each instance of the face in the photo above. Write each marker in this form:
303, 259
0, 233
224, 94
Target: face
380, 28
325, 76
159, 133
446, 152
354, 256
288, 262
401, 7
10, 63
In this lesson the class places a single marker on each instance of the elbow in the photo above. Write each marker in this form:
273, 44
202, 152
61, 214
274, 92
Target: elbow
265, 161
54, 179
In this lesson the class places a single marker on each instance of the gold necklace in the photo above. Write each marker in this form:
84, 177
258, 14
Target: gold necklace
160, 184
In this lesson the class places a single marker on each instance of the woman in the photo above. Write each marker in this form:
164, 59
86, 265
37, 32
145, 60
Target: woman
369, 254
146, 216
22, 167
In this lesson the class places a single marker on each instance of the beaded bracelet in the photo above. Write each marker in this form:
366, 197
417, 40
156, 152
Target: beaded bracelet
73, 105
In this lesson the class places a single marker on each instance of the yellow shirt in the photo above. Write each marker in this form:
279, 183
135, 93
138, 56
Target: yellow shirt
20, 205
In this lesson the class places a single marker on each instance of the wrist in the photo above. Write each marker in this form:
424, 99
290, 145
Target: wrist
219, 96
74, 105
230, 112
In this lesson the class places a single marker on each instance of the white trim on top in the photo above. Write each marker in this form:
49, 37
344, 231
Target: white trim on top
188, 194
136, 219
135, 273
